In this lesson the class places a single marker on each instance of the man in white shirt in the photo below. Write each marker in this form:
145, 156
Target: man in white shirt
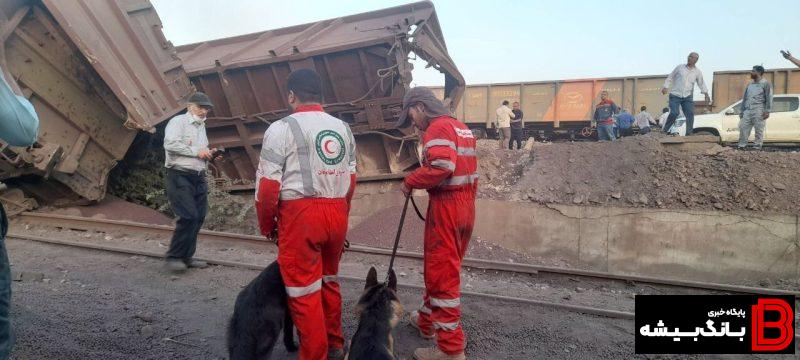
643, 120
680, 85
186, 148
503, 123
662, 119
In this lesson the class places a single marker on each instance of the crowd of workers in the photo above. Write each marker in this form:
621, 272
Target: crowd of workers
612, 122
306, 179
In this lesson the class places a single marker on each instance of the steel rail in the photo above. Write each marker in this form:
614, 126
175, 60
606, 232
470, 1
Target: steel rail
616, 314
84, 223
575, 308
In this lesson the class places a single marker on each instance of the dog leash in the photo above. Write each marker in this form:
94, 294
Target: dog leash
416, 209
397, 237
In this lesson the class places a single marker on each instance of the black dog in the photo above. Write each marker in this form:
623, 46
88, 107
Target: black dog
260, 313
379, 311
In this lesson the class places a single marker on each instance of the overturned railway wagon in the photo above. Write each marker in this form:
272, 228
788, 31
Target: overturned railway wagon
363, 61
97, 72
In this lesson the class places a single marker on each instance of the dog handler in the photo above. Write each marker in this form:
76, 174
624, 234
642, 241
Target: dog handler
305, 180
449, 173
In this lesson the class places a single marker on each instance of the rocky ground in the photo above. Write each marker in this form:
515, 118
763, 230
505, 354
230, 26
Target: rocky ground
83, 304
642, 172
97, 305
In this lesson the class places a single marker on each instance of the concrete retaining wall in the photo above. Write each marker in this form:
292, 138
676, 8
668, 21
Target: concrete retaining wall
682, 244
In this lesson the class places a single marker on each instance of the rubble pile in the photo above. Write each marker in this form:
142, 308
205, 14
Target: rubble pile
499, 169
643, 172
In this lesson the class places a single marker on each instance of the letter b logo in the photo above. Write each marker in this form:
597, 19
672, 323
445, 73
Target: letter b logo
783, 325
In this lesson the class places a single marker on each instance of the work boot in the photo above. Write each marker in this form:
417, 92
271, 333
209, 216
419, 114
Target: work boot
413, 318
435, 354
175, 265
197, 264
335, 354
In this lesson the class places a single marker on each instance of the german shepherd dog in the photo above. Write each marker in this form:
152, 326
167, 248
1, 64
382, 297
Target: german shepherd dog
379, 311
261, 311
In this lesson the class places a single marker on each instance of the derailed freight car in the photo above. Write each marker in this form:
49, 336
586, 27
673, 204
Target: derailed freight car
97, 72
364, 64
560, 108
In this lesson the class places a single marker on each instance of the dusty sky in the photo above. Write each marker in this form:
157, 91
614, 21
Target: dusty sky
516, 41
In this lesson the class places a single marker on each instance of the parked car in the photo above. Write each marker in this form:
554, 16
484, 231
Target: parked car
783, 125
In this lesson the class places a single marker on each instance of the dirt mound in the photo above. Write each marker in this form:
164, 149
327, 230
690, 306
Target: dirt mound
114, 208
641, 171
499, 169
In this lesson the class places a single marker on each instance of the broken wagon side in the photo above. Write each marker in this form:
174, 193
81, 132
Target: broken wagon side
363, 61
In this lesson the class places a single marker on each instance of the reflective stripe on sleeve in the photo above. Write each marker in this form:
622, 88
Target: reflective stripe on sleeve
440, 142
272, 156
445, 326
303, 156
444, 164
352, 147
330, 278
425, 310
461, 180
445, 303
298, 291
466, 151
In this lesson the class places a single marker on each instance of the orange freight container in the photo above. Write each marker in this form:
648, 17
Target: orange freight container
561, 107
728, 86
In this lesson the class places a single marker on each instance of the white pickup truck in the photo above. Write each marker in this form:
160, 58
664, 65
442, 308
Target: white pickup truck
783, 125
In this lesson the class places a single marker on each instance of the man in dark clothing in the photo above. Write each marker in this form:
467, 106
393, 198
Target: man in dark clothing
517, 127
603, 118
187, 153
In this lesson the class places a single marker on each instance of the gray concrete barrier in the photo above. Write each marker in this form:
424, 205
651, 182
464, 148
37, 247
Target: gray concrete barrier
682, 244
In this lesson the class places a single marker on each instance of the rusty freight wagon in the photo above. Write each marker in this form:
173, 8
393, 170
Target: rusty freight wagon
364, 64
728, 86
561, 108
97, 72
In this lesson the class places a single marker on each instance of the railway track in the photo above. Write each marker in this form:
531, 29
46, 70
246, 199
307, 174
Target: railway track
625, 315
106, 225
574, 308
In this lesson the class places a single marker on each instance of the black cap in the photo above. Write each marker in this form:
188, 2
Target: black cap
200, 98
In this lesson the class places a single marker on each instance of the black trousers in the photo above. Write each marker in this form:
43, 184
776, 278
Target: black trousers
516, 136
187, 194
5, 290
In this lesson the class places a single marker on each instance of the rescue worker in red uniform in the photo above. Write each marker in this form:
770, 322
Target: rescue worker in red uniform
305, 181
449, 173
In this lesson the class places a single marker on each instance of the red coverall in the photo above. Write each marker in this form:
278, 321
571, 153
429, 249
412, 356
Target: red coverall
449, 173
306, 179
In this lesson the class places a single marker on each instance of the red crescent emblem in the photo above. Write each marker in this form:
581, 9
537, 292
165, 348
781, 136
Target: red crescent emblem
326, 147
